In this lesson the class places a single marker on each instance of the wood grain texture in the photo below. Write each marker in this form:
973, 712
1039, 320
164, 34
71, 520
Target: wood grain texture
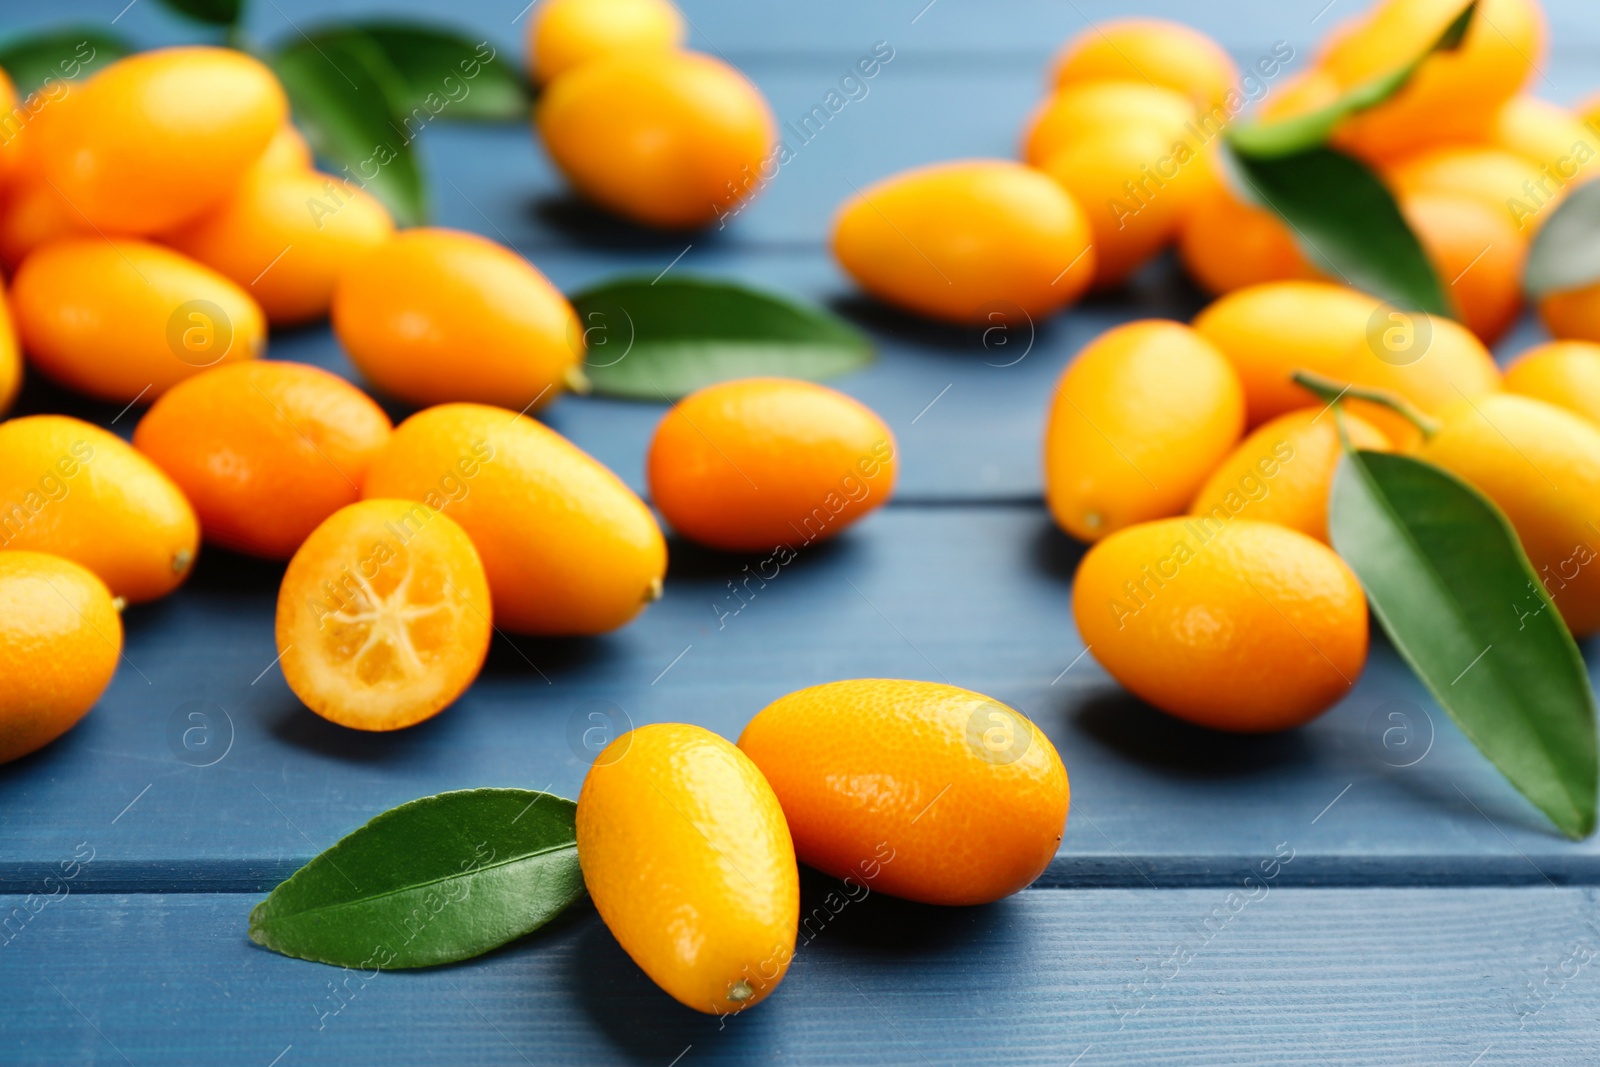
142, 958
1391, 978
978, 597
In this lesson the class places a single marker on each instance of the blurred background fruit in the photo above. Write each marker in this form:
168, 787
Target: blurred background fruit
1166, 53
756, 463
10, 357
1563, 373
435, 315
1227, 244
1478, 255
158, 137
1137, 187
285, 236
1083, 109
1573, 314
670, 139
564, 34
1454, 94
956, 240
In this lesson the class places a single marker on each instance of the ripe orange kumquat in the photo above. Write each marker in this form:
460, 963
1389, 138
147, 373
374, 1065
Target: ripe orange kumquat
1478, 255
1454, 92
915, 789
1171, 54
1227, 244
1282, 472
1136, 186
1138, 421
669, 139
74, 490
157, 137
1573, 314
33, 213
127, 319
687, 857
285, 236
1492, 176
264, 450
1082, 109
287, 151
1237, 625
1270, 331
10, 358
564, 34
569, 549
383, 615
60, 639
1541, 465
966, 240
751, 464
10, 142
1563, 373
436, 315
1554, 139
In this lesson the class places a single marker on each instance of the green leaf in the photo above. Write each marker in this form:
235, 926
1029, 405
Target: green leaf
67, 53
1566, 252
437, 880
1347, 221
1451, 585
1273, 138
345, 95
216, 12
660, 340
449, 77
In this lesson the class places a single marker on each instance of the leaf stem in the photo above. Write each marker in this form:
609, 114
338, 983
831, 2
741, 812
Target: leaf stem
1333, 392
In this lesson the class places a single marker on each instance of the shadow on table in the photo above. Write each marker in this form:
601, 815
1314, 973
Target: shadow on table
689, 563
1121, 722
295, 724
542, 658
591, 228
1056, 553
650, 1027
640, 1019
990, 340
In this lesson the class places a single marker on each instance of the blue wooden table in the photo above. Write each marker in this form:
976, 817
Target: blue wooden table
1421, 912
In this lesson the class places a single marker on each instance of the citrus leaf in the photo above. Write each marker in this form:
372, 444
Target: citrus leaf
449, 77
1565, 253
1347, 221
1272, 138
437, 880
346, 94
660, 340
216, 12
1451, 585
67, 53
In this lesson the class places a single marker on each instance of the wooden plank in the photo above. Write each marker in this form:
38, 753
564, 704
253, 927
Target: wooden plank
976, 596
1353, 977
